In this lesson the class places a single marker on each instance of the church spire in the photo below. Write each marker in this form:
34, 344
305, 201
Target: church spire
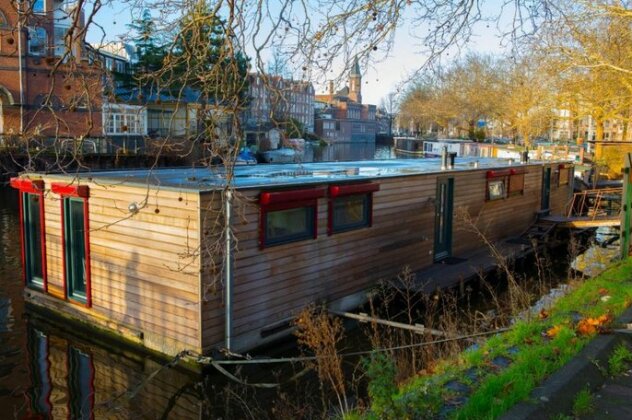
355, 82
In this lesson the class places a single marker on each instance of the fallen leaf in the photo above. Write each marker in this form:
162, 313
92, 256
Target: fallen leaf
554, 331
543, 314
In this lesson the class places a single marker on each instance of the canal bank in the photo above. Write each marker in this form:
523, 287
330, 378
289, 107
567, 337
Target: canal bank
486, 381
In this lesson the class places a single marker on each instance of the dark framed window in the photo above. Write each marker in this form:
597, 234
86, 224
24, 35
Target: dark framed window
75, 241
32, 232
350, 207
504, 184
288, 216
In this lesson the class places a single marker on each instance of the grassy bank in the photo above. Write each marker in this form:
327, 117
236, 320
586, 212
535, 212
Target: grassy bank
485, 381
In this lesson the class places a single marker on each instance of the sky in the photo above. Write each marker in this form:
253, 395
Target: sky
381, 76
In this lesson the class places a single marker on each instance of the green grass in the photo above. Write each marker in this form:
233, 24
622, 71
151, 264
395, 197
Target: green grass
619, 360
537, 357
584, 403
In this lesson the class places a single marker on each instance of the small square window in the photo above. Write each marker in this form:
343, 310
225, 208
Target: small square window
496, 189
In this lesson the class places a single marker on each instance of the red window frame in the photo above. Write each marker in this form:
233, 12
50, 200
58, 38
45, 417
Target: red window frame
336, 191
83, 192
30, 186
285, 200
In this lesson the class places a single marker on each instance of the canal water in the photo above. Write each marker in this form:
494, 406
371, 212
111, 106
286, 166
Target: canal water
49, 370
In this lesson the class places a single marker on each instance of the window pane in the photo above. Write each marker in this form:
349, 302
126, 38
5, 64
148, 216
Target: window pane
289, 225
350, 212
33, 239
37, 41
75, 248
38, 6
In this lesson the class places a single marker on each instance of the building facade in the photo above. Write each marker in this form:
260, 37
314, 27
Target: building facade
48, 87
274, 101
341, 117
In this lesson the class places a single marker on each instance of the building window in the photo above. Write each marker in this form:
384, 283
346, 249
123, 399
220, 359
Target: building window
503, 184
124, 120
32, 232
59, 40
75, 241
38, 6
38, 41
288, 216
350, 207
4, 22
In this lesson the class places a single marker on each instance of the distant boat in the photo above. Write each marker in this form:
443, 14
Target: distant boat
245, 157
433, 148
282, 155
409, 145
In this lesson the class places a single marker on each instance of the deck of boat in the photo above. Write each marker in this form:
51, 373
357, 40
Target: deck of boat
455, 270
582, 222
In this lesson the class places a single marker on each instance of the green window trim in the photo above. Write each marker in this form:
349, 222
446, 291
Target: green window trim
34, 238
75, 254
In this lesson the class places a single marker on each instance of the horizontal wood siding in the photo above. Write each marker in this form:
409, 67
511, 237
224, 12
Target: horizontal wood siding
496, 219
145, 267
212, 253
273, 284
560, 194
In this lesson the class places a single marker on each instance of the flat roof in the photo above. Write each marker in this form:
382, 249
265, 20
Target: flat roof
289, 174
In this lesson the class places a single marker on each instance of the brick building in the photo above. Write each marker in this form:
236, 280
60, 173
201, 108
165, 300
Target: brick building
48, 86
275, 100
341, 116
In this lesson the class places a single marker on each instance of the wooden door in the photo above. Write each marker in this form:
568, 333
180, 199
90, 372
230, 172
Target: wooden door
546, 189
443, 218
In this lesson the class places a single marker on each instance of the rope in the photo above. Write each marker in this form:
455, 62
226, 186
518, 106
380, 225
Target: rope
248, 361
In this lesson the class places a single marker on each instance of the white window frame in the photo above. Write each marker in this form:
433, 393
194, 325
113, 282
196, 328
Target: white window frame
117, 117
35, 35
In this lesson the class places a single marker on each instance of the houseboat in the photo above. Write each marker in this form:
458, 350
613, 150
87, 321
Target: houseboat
409, 145
172, 259
433, 148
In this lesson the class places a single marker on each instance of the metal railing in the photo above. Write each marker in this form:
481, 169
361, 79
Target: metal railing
603, 202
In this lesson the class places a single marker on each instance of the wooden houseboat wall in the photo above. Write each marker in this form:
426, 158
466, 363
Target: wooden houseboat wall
157, 272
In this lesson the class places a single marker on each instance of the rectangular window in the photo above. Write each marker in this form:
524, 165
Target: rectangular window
496, 189
32, 207
59, 40
38, 41
505, 183
290, 225
32, 232
75, 241
350, 207
288, 216
38, 6
75, 248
